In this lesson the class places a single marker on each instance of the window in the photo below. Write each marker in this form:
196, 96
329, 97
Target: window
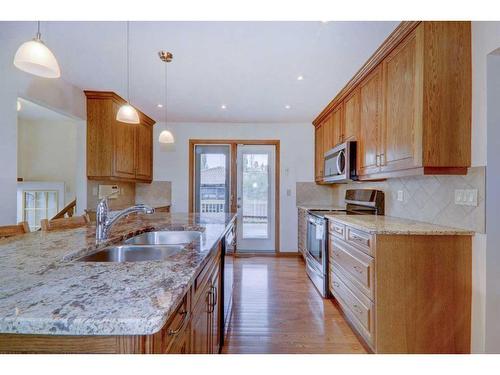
38, 205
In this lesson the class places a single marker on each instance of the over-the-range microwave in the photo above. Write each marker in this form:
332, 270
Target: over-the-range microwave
340, 163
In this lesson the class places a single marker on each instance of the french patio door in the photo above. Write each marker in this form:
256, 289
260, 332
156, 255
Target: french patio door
212, 178
256, 198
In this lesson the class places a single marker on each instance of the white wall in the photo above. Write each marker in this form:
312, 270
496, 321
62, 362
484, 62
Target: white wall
171, 163
47, 152
485, 39
492, 308
55, 94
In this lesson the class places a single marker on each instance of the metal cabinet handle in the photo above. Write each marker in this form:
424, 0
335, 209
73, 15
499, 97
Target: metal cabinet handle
336, 284
355, 237
209, 301
357, 309
382, 159
215, 296
173, 332
358, 269
377, 160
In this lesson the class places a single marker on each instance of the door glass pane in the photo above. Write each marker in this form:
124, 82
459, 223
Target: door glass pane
255, 195
212, 178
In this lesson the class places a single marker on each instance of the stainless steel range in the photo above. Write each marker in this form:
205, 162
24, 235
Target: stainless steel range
358, 202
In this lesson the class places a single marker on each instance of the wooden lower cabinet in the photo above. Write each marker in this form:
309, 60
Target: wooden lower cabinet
194, 327
403, 293
302, 231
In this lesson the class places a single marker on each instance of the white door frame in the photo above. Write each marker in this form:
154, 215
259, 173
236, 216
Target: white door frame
257, 245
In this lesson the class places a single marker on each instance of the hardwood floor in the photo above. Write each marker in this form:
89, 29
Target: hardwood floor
277, 310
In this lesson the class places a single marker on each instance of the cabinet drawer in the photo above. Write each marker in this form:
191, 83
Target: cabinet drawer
358, 309
176, 328
360, 240
337, 229
357, 266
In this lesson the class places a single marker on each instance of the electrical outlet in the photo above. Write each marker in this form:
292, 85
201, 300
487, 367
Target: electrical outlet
466, 197
94, 191
289, 192
471, 197
401, 196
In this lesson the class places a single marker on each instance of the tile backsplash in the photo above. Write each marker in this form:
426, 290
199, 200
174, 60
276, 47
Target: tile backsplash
429, 198
310, 193
155, 194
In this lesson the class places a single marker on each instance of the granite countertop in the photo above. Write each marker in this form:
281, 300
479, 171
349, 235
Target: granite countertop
43, 290
393, 225
320, 207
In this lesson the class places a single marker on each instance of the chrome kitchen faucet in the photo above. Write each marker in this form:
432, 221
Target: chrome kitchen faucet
105, 221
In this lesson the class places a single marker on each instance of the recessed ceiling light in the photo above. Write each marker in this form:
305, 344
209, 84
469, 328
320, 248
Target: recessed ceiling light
300, 78
223, 106
324, 21
288, 106
160, 105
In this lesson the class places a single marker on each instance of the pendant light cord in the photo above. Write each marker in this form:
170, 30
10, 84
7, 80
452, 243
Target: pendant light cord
128, 62
38, 34
166, 111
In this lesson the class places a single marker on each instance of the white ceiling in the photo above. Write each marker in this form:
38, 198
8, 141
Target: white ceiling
251, 67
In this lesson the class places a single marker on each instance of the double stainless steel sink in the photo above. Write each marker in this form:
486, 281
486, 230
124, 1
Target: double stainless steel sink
149, 246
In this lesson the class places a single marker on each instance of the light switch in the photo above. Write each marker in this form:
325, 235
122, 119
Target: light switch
401, 195
288, 192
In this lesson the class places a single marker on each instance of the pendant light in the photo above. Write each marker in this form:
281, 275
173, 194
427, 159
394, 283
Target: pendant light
127, 113
166, 136
36, 58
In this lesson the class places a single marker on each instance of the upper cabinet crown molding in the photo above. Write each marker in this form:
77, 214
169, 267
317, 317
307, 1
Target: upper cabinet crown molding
393, 40
412, 103
116, 150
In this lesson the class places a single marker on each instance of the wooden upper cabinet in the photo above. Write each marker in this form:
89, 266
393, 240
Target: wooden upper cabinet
318, 152
116, 150
401, 133
370, 121
328, 134
414, 100
337, 126
144, 155
351, 116
124, 155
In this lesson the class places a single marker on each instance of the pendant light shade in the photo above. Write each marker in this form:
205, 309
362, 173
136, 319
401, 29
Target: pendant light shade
36, 58
166, 137
127, 113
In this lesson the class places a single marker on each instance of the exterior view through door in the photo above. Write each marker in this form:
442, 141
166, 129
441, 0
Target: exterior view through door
238, 176
212, 178
255, 198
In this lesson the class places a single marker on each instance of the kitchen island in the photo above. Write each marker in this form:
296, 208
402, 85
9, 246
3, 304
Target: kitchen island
50, 302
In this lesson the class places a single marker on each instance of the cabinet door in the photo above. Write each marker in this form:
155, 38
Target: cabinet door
318, 152
124, 150
351, 116
144, 154
328, 133
337, 127
200, 325
181, 344
401, 131
215, 313
370, 119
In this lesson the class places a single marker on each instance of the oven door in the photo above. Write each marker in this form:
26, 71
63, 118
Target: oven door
315, 239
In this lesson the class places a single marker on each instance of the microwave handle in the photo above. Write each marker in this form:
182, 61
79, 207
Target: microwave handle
341, 153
